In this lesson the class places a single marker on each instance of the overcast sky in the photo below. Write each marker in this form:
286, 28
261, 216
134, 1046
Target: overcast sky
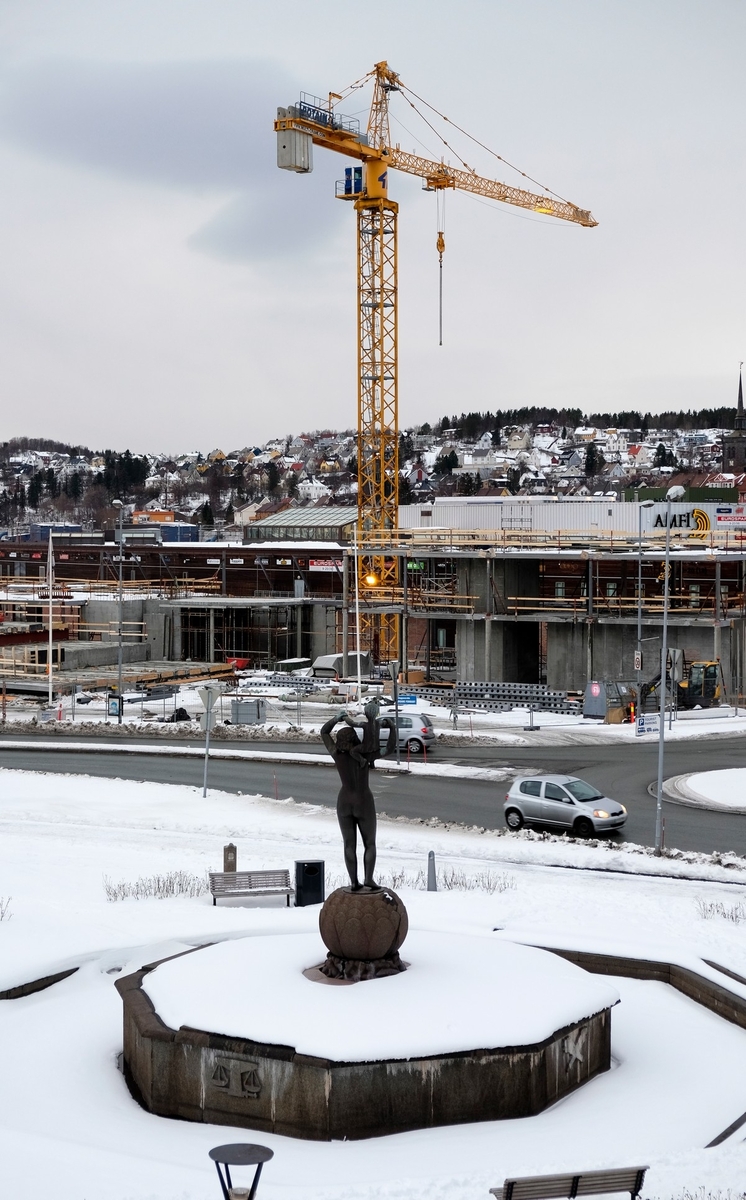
164, 287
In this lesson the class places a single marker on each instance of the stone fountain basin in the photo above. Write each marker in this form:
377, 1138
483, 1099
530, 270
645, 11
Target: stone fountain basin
476, 1029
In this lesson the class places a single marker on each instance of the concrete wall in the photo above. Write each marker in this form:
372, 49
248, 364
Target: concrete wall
323, 631
201, 1076
605, 650
79, 655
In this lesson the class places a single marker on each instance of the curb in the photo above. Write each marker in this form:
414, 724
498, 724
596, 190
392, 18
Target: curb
677, 790
384, 766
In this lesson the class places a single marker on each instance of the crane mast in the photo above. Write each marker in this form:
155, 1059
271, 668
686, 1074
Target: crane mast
313, 121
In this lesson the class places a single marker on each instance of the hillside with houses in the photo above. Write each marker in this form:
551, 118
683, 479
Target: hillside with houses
534, 452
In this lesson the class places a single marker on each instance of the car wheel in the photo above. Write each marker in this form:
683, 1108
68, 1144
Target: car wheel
514, 819
583, 828
414, 747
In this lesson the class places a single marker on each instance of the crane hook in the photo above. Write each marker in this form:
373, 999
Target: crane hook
440, 246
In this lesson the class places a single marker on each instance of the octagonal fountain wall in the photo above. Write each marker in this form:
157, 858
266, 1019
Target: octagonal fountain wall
236, 1034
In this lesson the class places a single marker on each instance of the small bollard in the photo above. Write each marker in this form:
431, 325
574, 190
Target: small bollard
529, 728
230, 857
432, 882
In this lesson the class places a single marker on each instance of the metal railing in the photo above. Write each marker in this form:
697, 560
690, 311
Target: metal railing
579, 607
620, 541
417, 599
13, 588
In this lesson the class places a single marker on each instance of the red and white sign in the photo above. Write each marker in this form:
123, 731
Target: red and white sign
325, 564
737, 516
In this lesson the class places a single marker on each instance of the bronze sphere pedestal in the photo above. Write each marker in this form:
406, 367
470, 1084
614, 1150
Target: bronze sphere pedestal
363, 930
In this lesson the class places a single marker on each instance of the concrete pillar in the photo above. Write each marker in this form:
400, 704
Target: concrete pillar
211, 635
465, 649
488, 647
176, 647
299, 631
717, 640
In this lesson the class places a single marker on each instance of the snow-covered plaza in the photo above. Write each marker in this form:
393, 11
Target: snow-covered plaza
67, 1117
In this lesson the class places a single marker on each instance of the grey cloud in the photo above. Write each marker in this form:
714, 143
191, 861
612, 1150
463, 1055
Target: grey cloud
197, 126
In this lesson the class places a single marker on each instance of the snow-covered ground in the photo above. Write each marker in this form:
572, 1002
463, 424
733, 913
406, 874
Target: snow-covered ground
66, 1115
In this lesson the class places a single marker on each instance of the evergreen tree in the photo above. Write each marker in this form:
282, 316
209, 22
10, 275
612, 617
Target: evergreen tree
273, 478
406, 495
445, 463
591, 460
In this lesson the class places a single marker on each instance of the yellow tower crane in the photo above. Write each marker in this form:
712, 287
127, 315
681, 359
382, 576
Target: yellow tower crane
315, 121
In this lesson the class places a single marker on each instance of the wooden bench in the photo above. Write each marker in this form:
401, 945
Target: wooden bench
250, 883
582, 1183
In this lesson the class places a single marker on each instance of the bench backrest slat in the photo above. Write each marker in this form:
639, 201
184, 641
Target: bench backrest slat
592, 1182
544, 1187
228, 881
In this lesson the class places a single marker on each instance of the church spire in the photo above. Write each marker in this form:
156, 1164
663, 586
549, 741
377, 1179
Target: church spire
740, 418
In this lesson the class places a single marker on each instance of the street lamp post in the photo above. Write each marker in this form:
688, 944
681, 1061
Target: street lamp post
394, 673
118, 504
644, 504
674, 493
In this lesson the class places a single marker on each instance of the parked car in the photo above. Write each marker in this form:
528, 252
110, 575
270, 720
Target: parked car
564, 802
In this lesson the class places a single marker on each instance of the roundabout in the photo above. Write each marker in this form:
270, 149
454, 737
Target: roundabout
718, 791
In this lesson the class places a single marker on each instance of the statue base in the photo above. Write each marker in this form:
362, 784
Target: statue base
355, 970
363, 930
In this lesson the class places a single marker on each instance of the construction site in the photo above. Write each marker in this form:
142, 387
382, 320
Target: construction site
530, 593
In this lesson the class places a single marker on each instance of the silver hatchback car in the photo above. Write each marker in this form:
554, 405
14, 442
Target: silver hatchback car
564, 802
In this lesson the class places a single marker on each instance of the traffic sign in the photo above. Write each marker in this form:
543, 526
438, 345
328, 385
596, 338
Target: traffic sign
647, 723
407, 698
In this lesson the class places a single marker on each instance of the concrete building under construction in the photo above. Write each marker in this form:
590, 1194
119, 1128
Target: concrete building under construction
522, 590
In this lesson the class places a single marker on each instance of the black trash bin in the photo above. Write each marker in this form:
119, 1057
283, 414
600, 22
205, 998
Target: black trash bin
309, 883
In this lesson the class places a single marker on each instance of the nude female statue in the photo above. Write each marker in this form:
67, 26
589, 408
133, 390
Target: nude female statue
356, 807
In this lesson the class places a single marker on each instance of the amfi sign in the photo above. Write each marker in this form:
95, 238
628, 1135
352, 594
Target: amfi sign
694, 519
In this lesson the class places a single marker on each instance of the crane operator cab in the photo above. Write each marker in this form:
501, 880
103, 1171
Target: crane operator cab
704, 687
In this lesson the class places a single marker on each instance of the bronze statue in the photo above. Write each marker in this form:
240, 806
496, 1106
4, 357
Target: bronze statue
364, 925
356, 807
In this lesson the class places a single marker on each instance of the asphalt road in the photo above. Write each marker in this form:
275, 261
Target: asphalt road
622, 772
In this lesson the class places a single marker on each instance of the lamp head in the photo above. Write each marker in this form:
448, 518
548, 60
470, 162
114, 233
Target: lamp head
647, 504
676, 493
371, 579
116, 503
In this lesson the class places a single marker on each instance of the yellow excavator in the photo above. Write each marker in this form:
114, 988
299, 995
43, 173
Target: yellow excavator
704, 686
